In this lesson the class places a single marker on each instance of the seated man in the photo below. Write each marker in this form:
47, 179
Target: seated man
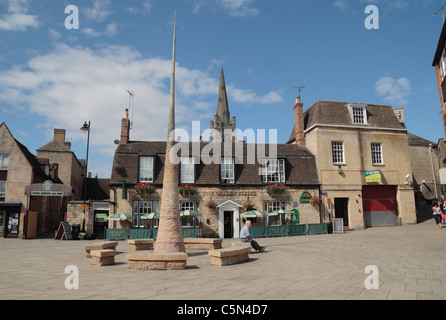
246, 237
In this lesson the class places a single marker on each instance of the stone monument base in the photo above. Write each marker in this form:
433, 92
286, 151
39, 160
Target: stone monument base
157, 261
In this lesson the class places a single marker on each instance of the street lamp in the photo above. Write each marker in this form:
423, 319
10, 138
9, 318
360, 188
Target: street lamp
85, 128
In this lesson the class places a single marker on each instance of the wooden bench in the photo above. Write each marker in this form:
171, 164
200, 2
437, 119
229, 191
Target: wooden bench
227, 256
203, 243
103, 257
100, 246
140, 244
157, 261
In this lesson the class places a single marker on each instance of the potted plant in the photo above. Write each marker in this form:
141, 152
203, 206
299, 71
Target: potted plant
185, 189
211, 204
275, 188
249, 205
315, 200
142, 188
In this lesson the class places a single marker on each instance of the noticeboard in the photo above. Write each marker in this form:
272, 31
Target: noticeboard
338, 225
64, 232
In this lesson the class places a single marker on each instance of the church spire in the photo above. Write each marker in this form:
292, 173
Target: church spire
222, 107
223, 127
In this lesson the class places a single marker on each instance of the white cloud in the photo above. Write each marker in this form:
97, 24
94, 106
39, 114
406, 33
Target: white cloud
71, 85
17, 17
235, 8
341, 4
99, 12
110, 30
394, 90
146, 7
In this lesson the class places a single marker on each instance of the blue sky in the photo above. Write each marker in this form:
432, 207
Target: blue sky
54, 77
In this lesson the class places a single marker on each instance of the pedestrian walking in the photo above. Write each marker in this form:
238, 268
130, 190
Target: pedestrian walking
436, 211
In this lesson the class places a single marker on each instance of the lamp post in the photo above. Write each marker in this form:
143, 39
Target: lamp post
85, 128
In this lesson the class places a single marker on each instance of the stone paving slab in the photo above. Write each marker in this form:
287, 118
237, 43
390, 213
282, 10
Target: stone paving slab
410, 260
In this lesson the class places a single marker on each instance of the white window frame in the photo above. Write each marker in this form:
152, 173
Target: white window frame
143, 207
358, 113
443, 64
227, 170
273, 170
191, 222
270, 206
146, 169
3, 189
377, 153
4, 161
187, 171
337, 152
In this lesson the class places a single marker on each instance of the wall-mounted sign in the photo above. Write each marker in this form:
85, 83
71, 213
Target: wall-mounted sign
373, 176
294, 216
305, 197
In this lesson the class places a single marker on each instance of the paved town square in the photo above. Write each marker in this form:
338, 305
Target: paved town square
408, 262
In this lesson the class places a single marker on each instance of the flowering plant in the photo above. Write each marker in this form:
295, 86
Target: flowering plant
144, 187
315, 200
186, 188
248, 205
275, 188
211, 204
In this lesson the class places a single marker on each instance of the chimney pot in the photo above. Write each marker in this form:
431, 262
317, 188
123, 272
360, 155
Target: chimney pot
299, 122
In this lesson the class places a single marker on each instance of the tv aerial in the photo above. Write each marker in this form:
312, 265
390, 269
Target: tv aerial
442, 11
299, 88
131, 100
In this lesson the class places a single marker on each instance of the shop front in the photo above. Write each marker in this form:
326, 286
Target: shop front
10, 219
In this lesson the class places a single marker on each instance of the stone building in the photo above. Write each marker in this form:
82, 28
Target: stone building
363, 160
30, 191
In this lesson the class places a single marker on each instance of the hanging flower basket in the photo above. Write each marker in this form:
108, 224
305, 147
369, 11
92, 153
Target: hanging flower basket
142, 188
249, 205
315, 200
211, 204
275, 188
186, 189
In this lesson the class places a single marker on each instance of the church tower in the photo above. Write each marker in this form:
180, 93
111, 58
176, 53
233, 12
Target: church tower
223, 127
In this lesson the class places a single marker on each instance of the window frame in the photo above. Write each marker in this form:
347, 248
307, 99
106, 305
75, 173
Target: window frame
4, 158
272, 205
352, 108
268, 170
3, 193
377, 154
224, 169
141, 207
190, 222
146, 175
184, 170
335, 152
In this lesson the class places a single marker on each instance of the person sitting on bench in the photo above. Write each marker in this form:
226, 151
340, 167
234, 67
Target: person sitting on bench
246, 237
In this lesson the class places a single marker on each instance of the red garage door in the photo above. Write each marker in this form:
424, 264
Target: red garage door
380, 208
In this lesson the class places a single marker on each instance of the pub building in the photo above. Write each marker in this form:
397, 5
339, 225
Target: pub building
244, 179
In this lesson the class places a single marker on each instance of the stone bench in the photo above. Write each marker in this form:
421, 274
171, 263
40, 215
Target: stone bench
156, 261
242, 245
203, 243
141, 244
103, 257
100, 246
227, 256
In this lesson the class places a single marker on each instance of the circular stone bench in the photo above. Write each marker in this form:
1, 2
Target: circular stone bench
100, 246
227, 256
203, 243
140, 244
156, 261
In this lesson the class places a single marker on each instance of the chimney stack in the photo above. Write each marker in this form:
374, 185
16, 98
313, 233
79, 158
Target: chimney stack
125, 128
299, 122
59, 136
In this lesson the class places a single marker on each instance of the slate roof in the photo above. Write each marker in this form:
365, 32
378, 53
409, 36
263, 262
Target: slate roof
300, 164
336, 113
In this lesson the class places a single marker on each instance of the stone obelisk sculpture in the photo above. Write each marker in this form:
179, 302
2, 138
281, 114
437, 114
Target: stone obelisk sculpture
170, 235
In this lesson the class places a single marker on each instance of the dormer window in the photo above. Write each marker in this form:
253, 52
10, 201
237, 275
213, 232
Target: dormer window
146, 169
272, 170
187, 170
358, 113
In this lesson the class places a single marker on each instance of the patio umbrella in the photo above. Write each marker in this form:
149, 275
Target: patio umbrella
189, 213
150, 216
120, 216
253, 213
276, 212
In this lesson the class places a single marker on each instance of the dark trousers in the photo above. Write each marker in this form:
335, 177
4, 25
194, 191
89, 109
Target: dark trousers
254, 244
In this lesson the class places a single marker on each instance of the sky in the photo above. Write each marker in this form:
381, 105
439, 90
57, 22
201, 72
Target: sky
56, 74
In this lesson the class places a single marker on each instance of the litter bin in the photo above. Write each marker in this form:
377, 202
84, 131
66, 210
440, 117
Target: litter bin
75, 230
